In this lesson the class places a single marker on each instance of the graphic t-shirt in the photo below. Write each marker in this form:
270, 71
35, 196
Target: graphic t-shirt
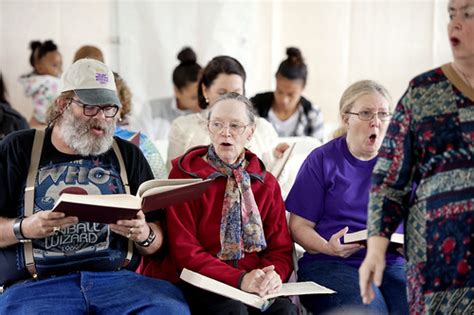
85, 245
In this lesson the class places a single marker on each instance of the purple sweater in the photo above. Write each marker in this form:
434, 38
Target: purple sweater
332, 190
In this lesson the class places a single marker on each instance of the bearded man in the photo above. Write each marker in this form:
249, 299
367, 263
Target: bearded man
55, 264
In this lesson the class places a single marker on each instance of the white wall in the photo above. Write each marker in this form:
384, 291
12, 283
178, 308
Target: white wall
343, 41
69, 24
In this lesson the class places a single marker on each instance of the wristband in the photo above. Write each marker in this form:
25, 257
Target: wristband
17, 231
151, 237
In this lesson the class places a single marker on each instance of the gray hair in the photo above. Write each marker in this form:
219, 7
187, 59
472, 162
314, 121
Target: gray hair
237, 97
353, 93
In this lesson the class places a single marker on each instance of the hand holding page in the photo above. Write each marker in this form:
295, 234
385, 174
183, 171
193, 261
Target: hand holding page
262, 303
152, 195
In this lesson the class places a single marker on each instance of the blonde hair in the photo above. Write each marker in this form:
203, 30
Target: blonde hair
89, 52
353, 93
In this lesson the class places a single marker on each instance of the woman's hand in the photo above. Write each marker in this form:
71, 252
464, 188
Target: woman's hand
280, 149
371, 271
45, 223
271, 282
335, 248
262, 281
372, 268
137, 229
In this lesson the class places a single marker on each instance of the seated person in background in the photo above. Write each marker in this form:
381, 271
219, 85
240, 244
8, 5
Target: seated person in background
10, 119
237, 232
158, 114
53, 264
42, 84
148, 148
290, 113
223, 74
330, 197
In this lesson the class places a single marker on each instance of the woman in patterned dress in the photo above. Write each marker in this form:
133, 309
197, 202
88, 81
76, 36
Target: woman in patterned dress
425, 177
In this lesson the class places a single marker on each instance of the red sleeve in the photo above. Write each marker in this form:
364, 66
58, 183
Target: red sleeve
187, 249
279, 243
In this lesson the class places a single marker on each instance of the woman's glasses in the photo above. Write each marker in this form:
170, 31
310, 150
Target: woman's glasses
235, 129
92, 110
366, 115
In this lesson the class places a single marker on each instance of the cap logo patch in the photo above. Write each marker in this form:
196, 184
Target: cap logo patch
102, 78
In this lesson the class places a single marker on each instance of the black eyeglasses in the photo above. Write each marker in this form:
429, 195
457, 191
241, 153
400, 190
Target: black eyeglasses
216, 126
92, 110
366, 115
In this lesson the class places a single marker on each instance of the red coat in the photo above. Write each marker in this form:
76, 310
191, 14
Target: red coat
193, 227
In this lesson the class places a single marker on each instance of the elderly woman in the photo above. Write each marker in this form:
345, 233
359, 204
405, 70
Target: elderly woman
237, 232
329, 198
430, 146
223, 74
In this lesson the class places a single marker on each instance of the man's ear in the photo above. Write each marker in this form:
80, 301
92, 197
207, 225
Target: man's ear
62, 103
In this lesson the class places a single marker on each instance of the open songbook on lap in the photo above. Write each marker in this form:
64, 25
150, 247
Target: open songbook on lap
396, 240
152, 195
288, 289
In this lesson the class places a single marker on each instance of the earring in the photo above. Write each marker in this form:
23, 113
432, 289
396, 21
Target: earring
206, 99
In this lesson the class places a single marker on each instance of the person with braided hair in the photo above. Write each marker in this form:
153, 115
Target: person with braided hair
42, 84
290, 113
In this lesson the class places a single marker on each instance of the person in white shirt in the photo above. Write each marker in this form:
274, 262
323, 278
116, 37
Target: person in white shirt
222, 75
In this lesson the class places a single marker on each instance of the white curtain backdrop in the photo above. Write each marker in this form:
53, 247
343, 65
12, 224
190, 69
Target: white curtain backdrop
342, 40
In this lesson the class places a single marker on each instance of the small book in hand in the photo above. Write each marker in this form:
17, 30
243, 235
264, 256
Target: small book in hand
262, 303
396, 241
152, 195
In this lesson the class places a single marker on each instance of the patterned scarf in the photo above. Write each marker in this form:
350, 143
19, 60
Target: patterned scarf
241, 225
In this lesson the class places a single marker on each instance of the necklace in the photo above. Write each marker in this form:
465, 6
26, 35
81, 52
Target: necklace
463, 76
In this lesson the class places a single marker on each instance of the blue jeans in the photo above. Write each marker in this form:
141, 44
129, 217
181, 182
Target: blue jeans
116, 292
390, 297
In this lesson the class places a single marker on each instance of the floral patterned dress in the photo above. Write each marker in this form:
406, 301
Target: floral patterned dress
425, 177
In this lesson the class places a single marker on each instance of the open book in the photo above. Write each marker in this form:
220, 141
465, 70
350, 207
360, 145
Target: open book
396, 240
152, 195
288, 289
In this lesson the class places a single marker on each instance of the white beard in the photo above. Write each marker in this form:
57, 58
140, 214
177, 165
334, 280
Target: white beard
75, 133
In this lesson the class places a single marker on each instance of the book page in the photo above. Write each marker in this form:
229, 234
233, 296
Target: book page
114, 200
288, 289
300, 288
221, 288
149, 184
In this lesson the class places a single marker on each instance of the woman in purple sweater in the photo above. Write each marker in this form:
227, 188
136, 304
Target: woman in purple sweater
329, 199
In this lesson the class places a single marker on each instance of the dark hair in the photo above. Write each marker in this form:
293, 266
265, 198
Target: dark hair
39, 50
218, 65
293, 67
3, 91
188, 69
